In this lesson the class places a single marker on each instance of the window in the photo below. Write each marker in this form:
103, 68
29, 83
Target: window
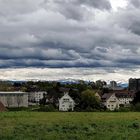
66, 99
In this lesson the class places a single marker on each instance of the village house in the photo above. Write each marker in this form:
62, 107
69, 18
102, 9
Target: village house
35, 97
14, 99
116, 100
66, 103
110, 101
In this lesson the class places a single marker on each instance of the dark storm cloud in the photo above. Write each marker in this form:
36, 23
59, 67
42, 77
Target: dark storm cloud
68, 33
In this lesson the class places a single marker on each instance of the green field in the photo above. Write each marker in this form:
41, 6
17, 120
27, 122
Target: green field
69, 126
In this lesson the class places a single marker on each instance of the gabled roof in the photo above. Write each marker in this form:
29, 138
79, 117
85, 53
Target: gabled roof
66, 95
106, 96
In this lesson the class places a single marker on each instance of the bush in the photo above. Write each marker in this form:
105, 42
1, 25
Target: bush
136, 107
124, 109
18, 109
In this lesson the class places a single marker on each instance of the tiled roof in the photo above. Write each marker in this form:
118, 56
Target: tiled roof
120, 91
106, 96
123, 95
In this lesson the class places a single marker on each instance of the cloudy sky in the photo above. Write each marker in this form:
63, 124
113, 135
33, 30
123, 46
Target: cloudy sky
61, 39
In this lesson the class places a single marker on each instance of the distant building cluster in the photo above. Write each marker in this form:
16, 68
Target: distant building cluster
114, 86
114, 99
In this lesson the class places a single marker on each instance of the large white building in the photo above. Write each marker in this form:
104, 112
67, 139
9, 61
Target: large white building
14, 99
66, 103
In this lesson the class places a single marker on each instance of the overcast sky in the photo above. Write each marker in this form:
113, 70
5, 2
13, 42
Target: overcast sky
60, 39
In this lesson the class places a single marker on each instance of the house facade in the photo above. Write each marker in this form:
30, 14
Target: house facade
66, 103
114, 101
35, 97
124, 99
110, 101
14, 99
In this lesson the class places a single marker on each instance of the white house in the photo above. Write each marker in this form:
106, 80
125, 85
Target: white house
66, 103
110, 101
14, 99
35, 97
113, 101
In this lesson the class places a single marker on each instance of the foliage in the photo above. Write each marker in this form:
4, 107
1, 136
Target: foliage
19, 109
43, 100
136, 107
124, 109
136, 98
89, 101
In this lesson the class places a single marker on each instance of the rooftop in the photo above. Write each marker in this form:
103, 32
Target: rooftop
12, 92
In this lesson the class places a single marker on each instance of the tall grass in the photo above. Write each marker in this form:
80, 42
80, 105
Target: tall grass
69, 126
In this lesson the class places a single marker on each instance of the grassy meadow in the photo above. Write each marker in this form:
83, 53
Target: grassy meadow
69, 126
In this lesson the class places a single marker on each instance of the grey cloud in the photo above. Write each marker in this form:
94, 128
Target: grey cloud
135, 3
72, 33
74, 9
101, 4
18, 7
129, 19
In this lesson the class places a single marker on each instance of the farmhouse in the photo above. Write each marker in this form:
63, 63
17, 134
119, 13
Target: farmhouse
116, 100
66, 103
110, 101
14, 99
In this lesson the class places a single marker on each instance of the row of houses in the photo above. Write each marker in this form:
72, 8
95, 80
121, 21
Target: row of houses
111, 101
24, 99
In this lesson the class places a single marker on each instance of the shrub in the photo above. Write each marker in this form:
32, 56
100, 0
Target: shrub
136, 107
18, 109
124, 109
